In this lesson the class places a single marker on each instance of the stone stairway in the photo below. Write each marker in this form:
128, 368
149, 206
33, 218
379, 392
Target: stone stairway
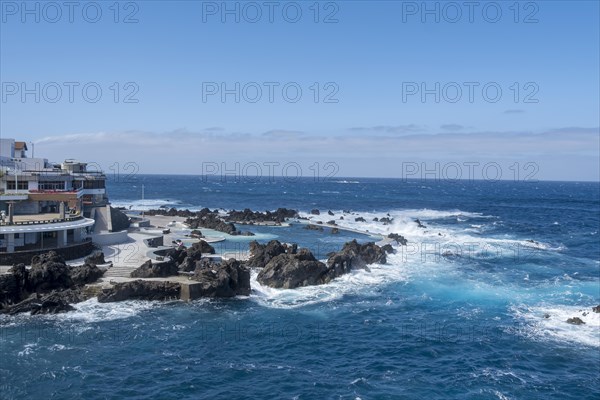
119, 271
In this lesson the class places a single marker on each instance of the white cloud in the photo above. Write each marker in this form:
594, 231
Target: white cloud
283, 134
393, 129
452, 127
181, 151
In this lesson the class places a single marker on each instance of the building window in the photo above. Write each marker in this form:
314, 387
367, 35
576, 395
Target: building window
51, 185
94, 184
12, 185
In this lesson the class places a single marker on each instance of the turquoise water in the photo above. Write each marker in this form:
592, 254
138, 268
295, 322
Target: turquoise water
468, 326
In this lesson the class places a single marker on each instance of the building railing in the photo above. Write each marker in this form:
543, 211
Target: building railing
23, 192
46, 221
51, 191
61, 172
20, 192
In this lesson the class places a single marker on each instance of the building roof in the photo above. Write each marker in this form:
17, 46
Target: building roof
21, 146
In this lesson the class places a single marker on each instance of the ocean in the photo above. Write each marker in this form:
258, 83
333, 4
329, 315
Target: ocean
474, 307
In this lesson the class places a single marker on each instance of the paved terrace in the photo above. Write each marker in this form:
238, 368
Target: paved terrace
36, 217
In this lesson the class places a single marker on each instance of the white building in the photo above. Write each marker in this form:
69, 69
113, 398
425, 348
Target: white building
45, 205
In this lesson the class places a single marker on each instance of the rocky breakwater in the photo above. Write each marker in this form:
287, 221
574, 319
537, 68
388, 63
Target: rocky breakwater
176, 260
228, 278
213, 219
155, 270
354, 256
206, 218
250, 217
171, 212
401, 240
50, 286
287, 267
289, 271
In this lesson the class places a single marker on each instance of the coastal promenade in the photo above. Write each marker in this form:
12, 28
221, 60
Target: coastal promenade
145, 241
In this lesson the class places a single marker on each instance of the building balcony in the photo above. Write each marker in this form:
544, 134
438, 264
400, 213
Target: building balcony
40, 219
45, 223
14, 196
92, 191
51, 191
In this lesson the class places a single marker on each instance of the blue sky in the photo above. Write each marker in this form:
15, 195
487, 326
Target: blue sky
179, 52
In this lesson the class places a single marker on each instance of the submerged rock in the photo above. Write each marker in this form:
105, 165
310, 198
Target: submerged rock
35, 305
398, 238
388, 248
450, 254
312, 227
575, 321
596, 309
360, 219
51, 303
419, 223
315, 212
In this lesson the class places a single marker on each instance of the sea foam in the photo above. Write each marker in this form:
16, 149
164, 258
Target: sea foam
548, 322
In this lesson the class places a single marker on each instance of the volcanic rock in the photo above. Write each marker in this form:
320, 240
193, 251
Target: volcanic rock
155, 270
140, 290
290, 271
227, 279
261, 254
398, 238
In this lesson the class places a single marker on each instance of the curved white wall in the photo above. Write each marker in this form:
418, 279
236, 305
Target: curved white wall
110, 238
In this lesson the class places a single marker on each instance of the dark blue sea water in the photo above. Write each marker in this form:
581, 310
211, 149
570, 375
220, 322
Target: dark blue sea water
458, 313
